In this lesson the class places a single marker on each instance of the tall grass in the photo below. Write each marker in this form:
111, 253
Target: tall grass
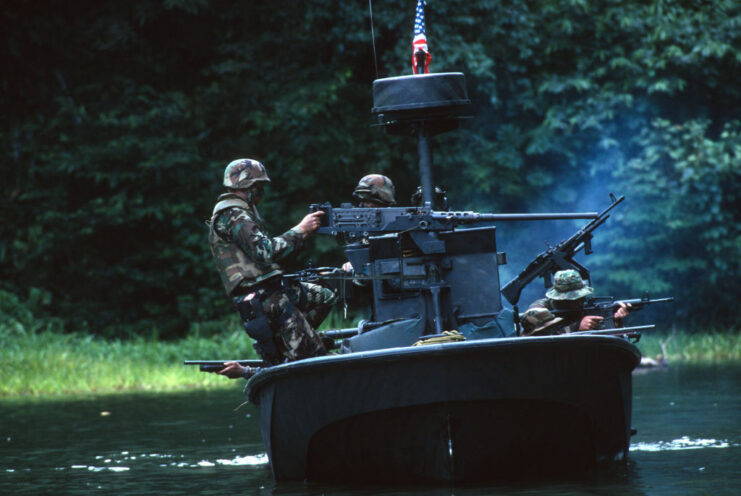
699, 347
51, 364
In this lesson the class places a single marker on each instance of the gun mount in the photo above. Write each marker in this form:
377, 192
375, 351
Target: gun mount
417, 261
441, 409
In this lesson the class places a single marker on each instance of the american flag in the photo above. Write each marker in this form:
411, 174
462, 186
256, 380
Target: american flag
420, 54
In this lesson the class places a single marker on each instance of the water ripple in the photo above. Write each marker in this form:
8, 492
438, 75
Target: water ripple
683, 443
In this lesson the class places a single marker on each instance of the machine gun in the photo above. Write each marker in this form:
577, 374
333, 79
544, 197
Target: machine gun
359, 222
605, 306
559, 257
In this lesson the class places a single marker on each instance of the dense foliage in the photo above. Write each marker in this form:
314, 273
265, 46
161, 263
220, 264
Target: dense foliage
119, 117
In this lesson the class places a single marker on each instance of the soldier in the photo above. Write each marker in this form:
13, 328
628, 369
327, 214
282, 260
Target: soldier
279, 314
538, 320
569, 292
373, 191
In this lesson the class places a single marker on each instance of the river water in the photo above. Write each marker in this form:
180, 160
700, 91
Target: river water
688, 442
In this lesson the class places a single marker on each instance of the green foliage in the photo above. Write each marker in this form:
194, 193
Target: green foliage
690, 180
120, 116
54, 364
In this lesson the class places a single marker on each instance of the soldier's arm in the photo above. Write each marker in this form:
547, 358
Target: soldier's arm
257, 244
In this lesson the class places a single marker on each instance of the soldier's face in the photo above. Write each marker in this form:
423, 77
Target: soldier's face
568, 304
257, 193
370, 204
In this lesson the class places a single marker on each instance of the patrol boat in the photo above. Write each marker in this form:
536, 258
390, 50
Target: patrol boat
478, 404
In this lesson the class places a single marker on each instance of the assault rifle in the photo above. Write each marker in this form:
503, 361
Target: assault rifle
559, 257
359, 222
605, 307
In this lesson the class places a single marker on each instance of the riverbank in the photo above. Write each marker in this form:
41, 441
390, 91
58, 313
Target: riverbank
52, 364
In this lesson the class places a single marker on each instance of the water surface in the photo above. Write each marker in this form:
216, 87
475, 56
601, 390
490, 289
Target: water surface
688, 420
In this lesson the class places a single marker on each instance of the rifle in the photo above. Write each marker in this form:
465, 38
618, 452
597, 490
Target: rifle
216, 365
314, 274
605, 306
359, 222
559, 257
632, 333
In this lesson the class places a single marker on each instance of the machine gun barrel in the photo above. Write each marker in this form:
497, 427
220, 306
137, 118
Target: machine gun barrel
472, 217
361, 221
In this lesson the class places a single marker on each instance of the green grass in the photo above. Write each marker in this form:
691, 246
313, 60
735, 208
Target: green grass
51, 364
698, 347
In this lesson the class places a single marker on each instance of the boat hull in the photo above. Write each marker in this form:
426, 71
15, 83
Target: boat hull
472, 411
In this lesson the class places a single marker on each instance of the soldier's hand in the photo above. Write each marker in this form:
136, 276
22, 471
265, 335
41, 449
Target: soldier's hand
622, 312
233, 370
590, 323
310, 223
347, 267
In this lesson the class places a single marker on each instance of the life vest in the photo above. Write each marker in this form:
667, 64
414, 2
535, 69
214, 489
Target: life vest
235, 268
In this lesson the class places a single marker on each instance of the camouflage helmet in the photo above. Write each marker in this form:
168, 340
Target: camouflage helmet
538, 319
568, 285
243, 173
376, 188
439, 198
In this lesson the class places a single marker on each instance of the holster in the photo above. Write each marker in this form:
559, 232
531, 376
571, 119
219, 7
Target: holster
258, 328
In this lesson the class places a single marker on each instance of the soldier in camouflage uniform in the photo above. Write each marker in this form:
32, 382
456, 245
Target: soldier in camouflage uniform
279, 314
539, 321
569, 292
372, 191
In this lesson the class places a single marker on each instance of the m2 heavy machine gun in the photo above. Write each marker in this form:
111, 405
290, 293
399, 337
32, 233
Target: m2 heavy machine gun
420, 263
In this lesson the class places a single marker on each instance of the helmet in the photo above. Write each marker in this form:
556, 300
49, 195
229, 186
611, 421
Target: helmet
377, 188
538, 319
243, 173
439, 198
568, 285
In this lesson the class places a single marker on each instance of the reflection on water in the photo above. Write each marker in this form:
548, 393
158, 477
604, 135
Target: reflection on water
683, 443
688, 442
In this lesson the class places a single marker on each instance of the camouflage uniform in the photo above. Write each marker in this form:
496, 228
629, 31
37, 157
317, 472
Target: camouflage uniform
280, 315
567, 286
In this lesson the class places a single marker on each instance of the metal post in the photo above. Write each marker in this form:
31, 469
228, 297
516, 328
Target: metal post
425, 163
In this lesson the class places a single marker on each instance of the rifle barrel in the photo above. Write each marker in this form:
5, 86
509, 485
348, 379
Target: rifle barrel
244, 363
618, 330
464, 217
